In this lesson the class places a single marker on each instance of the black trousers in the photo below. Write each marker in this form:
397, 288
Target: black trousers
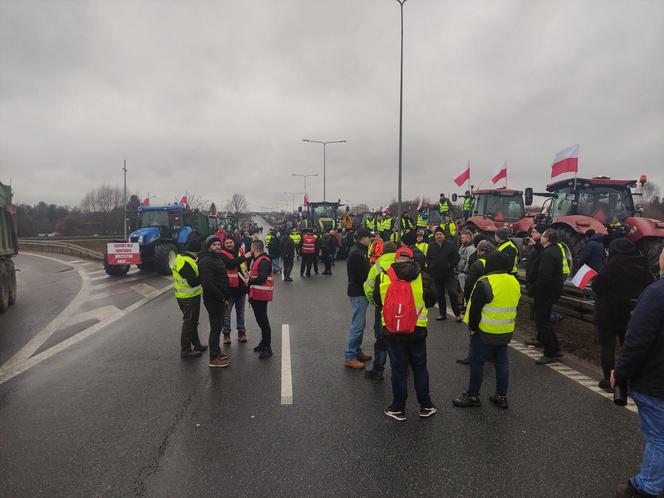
260, 313
449, 284
542, 306
307, 261
215, 311
288, 266
607, 338
327, 259
191, 310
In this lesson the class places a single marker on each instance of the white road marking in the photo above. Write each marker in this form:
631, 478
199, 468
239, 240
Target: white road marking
144, 289
286, 374
76, 261
23, 359
96, 272
117, 282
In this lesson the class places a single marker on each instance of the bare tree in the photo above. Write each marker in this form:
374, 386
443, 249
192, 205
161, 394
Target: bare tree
237, 204
196, 202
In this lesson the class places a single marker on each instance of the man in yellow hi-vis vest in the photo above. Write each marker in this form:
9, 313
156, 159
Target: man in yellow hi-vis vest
491, 319
406, 347
188, 290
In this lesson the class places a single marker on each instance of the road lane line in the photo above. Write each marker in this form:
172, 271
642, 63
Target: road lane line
286, 374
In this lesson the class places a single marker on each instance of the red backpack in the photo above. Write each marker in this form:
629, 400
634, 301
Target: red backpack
399, 310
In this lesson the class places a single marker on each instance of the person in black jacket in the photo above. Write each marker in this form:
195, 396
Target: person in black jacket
263, 272
287, 247
357, 269
233, 260
545, 285
616, 287
442, 259
328, 246
641, 367
274, 251
408, 349
216, 292
593, 251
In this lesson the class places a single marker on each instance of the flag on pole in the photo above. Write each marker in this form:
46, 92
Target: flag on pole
306, 200
499, 172
183, 200
583, 276
566, 161
419, 206
146, 201
463, 175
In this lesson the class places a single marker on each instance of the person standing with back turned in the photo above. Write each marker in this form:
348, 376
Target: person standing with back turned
357, 269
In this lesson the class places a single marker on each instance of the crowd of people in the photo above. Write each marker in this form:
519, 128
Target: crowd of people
404, 277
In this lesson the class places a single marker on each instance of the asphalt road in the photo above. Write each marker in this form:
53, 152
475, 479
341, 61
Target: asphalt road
118, 413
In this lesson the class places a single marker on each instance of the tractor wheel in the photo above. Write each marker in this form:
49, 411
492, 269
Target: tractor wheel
12, 283
651, 248
115, 270
163, 258
575, 241
4, 288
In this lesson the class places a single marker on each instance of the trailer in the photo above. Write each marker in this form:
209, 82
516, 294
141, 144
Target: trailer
8, 249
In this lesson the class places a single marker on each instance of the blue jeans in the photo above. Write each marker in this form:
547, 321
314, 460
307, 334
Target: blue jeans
358, 321
479, 354
237, 302
404, 353
380, 348
650, 478
275, 264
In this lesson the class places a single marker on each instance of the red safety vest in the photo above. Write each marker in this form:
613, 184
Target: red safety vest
264, 291
308, 244
233, 273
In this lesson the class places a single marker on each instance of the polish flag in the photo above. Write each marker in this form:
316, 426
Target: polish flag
183, 201
419, 206
499, 172
583, 276
306, 200
464, 175
566, 161
146, 202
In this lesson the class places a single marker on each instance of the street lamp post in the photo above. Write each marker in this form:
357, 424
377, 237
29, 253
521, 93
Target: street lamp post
124, 202
305, 180
293, 194
401, 2
324, 143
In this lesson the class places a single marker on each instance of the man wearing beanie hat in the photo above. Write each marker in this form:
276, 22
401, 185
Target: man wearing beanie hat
187, 285
216, 291
504, 244
620, 281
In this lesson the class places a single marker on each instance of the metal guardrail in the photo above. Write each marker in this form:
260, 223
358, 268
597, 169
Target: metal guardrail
60, 248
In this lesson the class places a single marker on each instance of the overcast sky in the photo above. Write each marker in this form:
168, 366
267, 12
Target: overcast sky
215, 97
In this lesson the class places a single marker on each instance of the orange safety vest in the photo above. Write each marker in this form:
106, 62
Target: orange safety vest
308, 244
375, 250
264, 291
233, 273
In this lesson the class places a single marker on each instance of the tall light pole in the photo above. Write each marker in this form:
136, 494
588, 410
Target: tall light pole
124, 198
400, 2
324, 146
293, 194
305, 180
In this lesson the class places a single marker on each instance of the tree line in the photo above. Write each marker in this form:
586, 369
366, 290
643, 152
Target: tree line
100, 213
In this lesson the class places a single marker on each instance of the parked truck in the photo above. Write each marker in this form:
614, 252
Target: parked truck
8, 248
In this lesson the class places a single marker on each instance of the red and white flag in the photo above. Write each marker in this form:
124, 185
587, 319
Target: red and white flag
463, 175
566, 161
583, 276
419, 206
146, 201
183, 200
499, 172
306, 200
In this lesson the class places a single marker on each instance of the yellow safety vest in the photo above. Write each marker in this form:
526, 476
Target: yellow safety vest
268, 238
421, 221
509, 243
418, 297
468, 204
370, 224
444, 206
564, 249
499, 315
296, 238
182, 288
452, 227
423, 246
382, 264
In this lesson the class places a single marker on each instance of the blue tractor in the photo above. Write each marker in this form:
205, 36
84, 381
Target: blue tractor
162, 232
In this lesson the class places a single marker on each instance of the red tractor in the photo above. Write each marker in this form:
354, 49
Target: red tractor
497, 208
604, 205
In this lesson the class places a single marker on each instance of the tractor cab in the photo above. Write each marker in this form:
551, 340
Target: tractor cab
321, 216
500, 205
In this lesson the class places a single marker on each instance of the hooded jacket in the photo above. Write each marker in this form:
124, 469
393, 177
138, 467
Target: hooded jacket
214, 278
408, 271
620, 281
593, 252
